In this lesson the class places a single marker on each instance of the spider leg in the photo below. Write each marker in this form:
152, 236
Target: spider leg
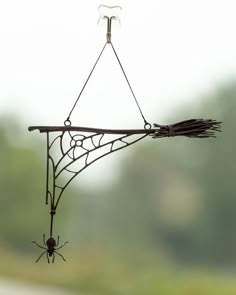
44, 241
53, 257
40, 256
39, 245
48, 257
60, 255
61, 246
57, 241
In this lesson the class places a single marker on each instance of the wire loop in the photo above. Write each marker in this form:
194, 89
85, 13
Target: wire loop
67, 122
147, 125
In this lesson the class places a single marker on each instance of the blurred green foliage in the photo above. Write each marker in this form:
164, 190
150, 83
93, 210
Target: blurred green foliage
22, 172
177, 195
166, 226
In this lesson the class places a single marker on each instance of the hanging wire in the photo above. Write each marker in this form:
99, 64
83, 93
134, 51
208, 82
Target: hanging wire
146, 124
67, 122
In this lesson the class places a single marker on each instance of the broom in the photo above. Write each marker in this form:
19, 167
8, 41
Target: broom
195, 128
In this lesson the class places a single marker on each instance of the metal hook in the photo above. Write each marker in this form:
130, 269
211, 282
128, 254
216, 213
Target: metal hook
109, 19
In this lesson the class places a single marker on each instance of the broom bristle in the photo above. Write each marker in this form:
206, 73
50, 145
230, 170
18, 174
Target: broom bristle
195, 128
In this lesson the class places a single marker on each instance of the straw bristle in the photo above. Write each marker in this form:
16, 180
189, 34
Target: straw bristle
195, 128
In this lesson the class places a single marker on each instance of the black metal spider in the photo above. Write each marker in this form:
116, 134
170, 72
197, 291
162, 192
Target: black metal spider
50, 248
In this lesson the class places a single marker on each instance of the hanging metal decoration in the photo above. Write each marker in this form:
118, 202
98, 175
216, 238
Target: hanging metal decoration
79, 147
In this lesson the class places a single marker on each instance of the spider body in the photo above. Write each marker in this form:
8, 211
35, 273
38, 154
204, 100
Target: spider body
51, 244
50, 247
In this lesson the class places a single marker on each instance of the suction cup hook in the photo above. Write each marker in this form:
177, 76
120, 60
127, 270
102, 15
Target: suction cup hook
109, 13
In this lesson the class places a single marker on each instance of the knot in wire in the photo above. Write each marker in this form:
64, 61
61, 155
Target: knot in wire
53, 211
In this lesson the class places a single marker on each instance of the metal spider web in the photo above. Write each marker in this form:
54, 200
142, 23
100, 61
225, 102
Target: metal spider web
72, 149
79, 147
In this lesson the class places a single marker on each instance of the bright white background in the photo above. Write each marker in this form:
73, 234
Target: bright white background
172, 51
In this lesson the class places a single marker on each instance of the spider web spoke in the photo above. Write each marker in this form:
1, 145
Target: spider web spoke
92, 141
55, 147
54, 140
119, 144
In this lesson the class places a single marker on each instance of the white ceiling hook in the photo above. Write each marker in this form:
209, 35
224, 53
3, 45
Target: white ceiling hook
109, 11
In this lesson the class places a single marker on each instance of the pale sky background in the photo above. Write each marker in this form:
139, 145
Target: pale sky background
172, 52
